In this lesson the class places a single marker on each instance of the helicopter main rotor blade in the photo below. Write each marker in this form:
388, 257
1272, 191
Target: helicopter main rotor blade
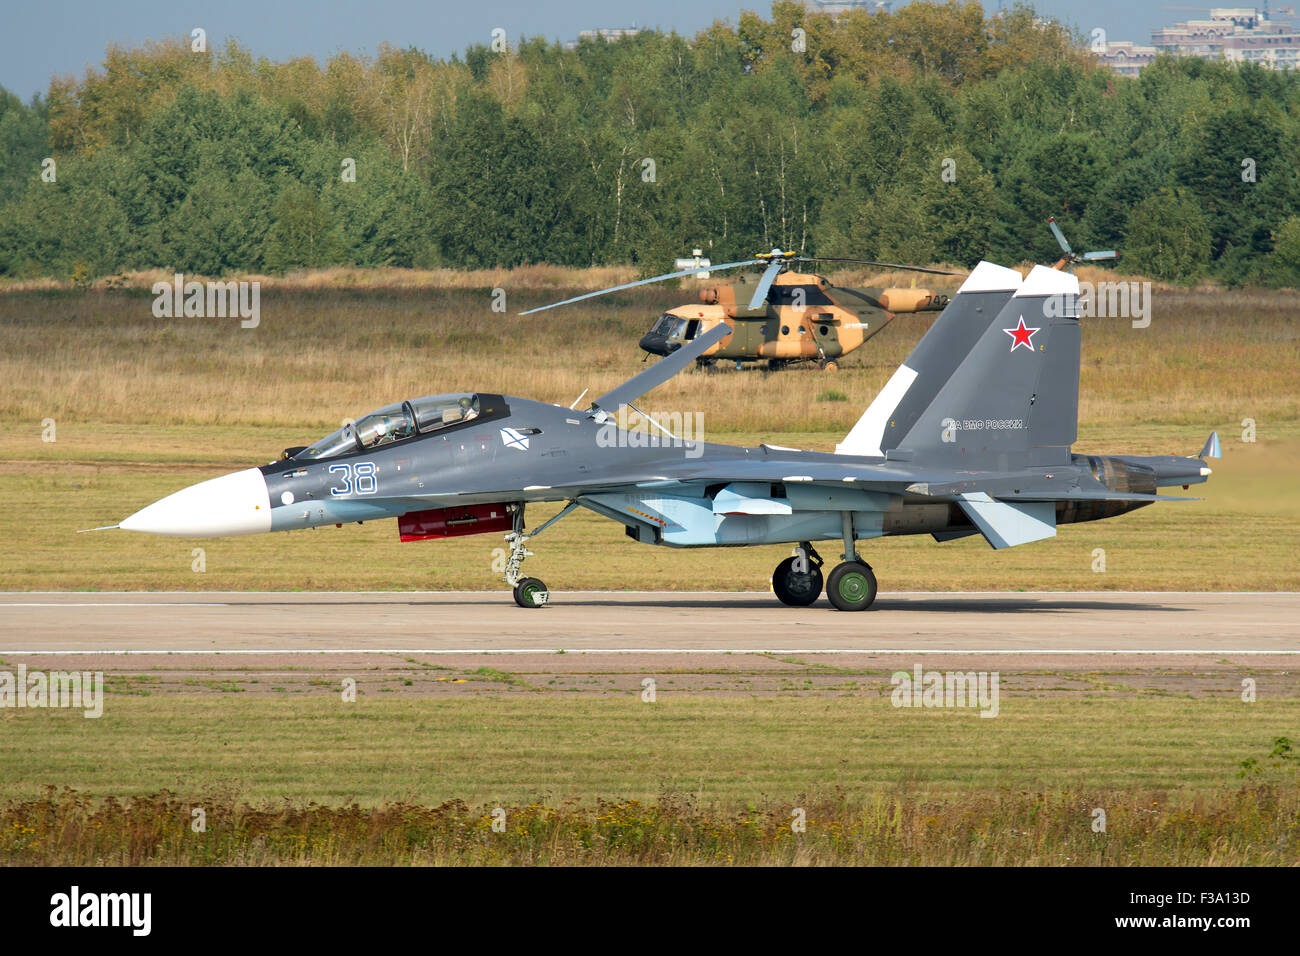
632, 285
759, 299
886, 265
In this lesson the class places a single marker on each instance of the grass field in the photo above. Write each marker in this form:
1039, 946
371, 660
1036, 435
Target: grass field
143, 407
686, 779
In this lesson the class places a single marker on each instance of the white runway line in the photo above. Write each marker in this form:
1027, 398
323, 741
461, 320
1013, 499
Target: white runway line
661, 651
119, 604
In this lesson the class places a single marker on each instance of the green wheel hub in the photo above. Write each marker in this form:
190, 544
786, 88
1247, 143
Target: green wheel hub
853, 587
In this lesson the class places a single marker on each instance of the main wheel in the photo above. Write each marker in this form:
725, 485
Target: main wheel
531, 592
795, 588
830, 365
851, 586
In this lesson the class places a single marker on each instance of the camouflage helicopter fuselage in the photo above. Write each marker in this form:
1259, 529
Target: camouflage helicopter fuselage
804, 319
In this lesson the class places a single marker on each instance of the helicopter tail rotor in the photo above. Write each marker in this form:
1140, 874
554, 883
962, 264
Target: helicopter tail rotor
1070, 257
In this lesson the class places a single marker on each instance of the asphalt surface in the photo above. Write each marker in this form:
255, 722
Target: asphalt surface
1028, 623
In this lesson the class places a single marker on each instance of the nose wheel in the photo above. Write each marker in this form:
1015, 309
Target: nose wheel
531, 592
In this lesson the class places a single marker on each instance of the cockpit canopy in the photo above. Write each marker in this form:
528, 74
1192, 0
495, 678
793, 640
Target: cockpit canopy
670, 326
393, 423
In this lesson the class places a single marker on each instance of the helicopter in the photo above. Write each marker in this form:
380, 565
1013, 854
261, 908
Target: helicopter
783, 317
780, 316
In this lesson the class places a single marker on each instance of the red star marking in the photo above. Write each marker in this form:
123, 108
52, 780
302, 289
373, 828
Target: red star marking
1021, 335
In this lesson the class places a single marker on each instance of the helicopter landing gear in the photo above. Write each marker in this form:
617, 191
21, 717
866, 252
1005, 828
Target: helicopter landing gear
852, 584
797, 581
828, 365
528, 592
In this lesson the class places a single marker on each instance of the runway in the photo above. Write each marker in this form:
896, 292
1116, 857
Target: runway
984, 623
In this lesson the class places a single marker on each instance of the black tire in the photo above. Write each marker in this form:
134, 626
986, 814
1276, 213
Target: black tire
527, 590
851, 586
795, 589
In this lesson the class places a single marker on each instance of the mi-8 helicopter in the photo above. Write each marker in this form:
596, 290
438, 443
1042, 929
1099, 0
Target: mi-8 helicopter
782, 316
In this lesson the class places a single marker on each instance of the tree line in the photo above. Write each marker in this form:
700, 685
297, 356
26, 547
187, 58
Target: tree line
930, 134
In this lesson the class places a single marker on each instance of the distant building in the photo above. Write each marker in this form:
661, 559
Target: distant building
608, 34
836, 7
1227, 35
1127, 59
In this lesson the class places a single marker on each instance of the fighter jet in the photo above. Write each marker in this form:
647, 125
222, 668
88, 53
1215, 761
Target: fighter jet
972, 435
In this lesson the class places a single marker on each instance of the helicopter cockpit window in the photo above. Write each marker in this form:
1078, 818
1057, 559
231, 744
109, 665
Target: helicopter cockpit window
664, 324
439, 411
675, 329
389, 424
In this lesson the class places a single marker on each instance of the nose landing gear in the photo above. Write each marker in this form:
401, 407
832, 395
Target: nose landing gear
528, 592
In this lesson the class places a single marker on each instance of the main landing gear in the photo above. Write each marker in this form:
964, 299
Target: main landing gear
797, 581
851, 586
528, 592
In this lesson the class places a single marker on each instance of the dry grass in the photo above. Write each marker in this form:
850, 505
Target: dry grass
1206, 361
690, 779
384, 279
1246, 827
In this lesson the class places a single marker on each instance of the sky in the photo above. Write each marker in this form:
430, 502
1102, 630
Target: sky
65, 37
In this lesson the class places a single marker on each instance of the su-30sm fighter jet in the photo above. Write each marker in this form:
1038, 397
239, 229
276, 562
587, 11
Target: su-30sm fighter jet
971, 435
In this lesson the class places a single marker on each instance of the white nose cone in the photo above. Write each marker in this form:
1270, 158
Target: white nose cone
233, 504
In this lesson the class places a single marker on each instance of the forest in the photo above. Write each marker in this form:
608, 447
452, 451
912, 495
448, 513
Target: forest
933, 134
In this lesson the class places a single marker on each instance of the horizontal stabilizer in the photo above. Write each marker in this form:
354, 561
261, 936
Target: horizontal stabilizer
1006, 525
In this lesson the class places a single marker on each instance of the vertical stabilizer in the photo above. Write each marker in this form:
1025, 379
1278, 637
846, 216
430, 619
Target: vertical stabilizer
918, 380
